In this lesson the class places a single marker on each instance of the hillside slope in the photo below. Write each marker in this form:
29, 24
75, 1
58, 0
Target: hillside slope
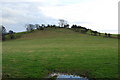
39, 53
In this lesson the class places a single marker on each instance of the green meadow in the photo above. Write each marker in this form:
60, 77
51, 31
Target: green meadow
37, 54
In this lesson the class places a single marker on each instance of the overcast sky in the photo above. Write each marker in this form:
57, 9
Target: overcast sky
100, 15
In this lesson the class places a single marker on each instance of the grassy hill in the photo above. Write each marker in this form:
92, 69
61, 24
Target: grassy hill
37, 54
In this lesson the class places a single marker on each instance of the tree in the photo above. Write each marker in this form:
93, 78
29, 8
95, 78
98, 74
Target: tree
11, 34
30, 27
62, 22
109, 35
74, 26
41, 28
43, 25
95, 33
4, 32
66, 26
99, 34
48, 25
106, 34
37, 26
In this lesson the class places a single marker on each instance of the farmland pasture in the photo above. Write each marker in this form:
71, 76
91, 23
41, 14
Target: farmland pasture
39, 53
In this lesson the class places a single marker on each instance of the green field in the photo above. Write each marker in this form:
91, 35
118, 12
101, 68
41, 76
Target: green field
37, 54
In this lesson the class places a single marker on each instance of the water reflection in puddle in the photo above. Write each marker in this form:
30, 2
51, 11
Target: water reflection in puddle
60, 76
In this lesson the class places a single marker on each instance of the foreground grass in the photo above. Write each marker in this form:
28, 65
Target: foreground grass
37, 54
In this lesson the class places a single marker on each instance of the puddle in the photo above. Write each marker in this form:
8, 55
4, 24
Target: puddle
60, 76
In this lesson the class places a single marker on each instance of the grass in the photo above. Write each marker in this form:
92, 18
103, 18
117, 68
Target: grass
39, 53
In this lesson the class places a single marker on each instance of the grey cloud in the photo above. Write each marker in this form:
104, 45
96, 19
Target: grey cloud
21, 14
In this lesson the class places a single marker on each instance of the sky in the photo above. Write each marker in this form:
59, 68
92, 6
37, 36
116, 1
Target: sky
100, 15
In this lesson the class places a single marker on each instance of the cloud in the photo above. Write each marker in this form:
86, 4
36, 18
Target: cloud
16, 16
22, 0
95, 14
98, 14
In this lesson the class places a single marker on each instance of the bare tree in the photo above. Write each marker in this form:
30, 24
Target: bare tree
62, 22
3, 32
30, 27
